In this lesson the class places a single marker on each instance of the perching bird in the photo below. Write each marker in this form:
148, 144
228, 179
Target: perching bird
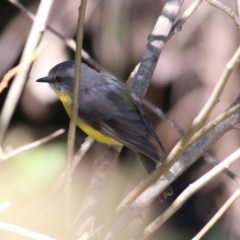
107, 112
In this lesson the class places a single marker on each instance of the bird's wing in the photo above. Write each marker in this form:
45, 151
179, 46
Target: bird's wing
109, 108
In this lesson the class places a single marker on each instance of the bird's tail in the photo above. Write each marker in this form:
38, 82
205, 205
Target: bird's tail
150, 165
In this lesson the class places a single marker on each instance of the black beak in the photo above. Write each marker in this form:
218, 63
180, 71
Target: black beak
44, 79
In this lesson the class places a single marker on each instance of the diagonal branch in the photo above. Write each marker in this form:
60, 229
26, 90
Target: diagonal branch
226, 9
35, 144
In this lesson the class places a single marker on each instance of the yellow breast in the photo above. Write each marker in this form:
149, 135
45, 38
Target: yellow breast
67, 103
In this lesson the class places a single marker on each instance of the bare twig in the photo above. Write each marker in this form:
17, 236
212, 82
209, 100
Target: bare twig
37, 143
186, 194
215, 122
219, 214
226, 9
73, 118
7, 77
24, 232
20, 79
207, 157
70, 42
185, 16
210, 159
164, 116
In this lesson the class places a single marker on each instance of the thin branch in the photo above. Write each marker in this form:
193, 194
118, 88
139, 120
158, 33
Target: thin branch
186, 194
19, 82
219, 214
214, 122
210, 159
207, 157
70, 42
185, 16
24, 232
73, 118
163, 116
226, 9
7, 77
35, 144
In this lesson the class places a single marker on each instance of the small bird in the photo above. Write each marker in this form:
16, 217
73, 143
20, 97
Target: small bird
107, 112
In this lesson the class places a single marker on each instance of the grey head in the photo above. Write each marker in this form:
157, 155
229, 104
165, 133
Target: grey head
61, 76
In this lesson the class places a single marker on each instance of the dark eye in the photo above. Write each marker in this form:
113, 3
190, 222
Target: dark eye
58, 79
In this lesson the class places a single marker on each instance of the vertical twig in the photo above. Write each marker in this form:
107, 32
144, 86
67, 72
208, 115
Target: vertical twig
226, 9
20, 80
73, 120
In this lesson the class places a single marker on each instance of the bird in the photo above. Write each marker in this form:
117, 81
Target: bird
108, 112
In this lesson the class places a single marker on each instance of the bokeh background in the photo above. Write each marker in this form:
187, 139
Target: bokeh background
115, 36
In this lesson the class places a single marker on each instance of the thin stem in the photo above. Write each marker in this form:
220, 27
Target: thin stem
7, 77
73, 120
35, 144
214, 122
70, 42
226, 9
185, 16
207, 157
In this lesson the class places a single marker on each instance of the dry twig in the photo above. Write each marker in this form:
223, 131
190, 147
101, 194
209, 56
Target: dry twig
6, 156
73, 117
